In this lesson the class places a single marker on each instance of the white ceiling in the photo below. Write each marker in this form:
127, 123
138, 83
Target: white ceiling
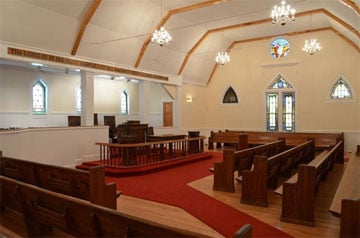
118, 29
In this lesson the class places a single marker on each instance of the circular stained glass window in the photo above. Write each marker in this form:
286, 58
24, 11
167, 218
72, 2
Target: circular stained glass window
279, 48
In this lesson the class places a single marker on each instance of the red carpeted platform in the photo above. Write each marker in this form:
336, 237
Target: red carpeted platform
137, 170
169, 186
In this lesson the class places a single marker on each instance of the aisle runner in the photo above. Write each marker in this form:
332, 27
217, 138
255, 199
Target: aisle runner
169, 186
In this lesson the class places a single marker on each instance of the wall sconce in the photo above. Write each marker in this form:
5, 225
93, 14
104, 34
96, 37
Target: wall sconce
189, 99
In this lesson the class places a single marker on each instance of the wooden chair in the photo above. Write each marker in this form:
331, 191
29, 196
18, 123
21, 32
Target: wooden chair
74, 121
110, 121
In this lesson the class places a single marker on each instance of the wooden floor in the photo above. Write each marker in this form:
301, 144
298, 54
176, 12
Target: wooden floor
326, 224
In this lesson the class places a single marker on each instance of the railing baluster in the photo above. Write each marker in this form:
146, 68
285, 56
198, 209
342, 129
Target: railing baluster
141, 154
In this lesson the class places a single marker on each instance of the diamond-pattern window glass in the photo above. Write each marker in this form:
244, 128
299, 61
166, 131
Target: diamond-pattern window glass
39, 98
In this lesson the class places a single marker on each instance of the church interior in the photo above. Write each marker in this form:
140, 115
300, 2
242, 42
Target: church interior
136, 84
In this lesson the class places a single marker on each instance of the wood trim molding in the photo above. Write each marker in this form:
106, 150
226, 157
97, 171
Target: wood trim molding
167, 17
288, 34
89, 14
80, 63
352, 5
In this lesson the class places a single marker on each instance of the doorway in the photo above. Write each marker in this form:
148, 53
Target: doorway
167, 114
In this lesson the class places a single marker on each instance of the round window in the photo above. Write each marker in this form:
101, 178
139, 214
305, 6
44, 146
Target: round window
279, 48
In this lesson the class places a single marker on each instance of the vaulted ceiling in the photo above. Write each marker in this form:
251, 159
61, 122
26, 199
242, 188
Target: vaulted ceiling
118, 32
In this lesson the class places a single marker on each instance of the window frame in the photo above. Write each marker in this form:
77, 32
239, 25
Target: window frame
349, 86
125, 92
281, 114
44, 86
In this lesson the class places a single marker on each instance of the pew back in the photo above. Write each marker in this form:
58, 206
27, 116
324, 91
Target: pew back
266, 173
88, 185
238, 140
239, 160
299, 196
44, 210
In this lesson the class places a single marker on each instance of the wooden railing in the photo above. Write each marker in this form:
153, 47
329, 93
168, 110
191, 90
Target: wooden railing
142, 154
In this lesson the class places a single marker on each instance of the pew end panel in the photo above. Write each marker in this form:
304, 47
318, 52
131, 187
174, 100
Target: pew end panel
101, 193
224, 173
350, 218
254, 183
299, 198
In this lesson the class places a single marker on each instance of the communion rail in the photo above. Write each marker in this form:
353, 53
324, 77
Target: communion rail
141, 154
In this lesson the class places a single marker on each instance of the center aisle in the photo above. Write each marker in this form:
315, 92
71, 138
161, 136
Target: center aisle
169, 186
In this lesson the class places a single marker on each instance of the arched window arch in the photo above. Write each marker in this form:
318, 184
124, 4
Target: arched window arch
124, 103
39, 97
230, 96
280, 105
341, 90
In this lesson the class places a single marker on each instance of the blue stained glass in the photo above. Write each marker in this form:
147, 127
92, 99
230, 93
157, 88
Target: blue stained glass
279, 48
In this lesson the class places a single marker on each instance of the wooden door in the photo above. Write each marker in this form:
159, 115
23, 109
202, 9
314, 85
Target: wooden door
167, 114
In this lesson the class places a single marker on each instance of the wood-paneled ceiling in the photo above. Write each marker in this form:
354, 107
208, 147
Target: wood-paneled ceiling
118, 32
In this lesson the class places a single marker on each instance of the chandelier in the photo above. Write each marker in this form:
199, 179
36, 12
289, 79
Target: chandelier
311, 46
282, 14
161, 36
222, 58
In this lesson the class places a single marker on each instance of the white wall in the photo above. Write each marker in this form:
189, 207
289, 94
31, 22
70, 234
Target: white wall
66, 146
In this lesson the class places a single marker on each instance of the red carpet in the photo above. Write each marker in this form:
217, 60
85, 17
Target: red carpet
169, 186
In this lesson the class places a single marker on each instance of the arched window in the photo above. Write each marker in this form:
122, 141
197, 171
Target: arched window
39, 97
341, 90
124, 104
230, 96
280, 106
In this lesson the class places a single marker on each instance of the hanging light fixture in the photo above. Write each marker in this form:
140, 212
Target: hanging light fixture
311, 46
222, 57
283, 14
161, 36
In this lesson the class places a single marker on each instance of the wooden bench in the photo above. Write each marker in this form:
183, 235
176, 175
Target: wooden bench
88, 185
298, 194
236, 139
347, 199
266, 172
44, 210
322, 140
240, 160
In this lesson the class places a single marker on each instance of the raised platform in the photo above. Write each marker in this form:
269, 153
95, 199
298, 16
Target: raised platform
136, 170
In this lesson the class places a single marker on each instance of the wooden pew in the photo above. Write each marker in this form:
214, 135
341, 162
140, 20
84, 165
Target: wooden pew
266, 173
346, 202
44, 210
299, 193
234, 138
88, 185
240, 160
322, 140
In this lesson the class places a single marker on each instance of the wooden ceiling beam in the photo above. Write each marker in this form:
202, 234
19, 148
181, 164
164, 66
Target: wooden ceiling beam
89, 14
167, 17
262, 21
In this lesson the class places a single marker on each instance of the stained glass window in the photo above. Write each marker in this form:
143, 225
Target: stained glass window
280, 83
272, 112
279, 48
280, 106
124, 103
39, 97
288, 112
341, 90
230, 96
